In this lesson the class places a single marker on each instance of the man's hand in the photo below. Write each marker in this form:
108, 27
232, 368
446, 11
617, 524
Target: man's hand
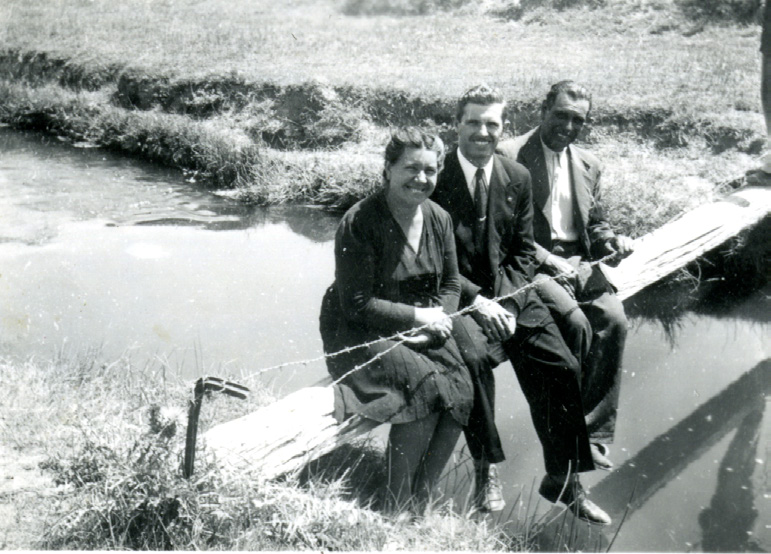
497, 323
621, 245
556, 265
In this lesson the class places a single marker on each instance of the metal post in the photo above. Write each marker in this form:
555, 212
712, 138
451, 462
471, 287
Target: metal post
201, 387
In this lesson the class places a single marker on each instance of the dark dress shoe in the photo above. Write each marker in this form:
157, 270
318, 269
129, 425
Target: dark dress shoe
599, 456
573, 495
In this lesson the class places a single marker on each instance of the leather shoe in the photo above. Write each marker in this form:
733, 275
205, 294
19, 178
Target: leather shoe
600, 456
488, 490
573, 495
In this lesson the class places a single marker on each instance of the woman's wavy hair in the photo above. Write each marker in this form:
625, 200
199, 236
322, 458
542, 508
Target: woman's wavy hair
412, 137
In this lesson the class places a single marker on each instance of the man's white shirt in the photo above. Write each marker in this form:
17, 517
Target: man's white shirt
470, 171
559, 205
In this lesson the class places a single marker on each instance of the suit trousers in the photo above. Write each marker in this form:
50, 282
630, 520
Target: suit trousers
594, 327
482, 438
549, 376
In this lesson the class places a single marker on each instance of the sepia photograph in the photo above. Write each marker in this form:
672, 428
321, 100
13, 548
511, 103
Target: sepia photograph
385, 275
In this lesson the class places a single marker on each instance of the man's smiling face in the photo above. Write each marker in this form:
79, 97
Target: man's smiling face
561, 123
479, 130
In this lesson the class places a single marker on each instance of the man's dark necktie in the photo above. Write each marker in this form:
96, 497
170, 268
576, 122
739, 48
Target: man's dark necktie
480, 210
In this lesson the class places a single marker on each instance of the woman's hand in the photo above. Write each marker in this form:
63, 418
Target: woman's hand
436, 322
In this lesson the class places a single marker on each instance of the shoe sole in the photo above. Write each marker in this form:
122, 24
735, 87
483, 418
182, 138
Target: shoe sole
603, 451
593, 522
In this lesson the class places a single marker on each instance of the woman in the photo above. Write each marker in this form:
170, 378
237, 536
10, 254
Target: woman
396, 269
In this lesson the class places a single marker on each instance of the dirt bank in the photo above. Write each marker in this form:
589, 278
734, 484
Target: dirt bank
299, 116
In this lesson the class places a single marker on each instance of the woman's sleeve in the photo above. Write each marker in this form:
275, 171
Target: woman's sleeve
449, 289
356, 251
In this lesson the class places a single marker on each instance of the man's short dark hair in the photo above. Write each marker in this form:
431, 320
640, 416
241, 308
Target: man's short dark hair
573, 90
480, 94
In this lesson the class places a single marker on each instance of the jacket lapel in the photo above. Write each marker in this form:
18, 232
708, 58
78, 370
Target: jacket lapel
454, 197
534, 160
582, 197
461, 202
499, 211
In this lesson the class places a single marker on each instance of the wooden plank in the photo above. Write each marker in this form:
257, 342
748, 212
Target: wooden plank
282, 437
685, 239
285, 435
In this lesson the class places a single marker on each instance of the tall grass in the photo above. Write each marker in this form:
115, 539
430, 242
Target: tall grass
208, 150
112, 435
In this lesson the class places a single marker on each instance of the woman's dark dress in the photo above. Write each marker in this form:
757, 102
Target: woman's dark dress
378, 281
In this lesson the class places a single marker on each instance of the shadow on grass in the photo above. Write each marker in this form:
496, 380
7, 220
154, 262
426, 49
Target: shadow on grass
360, 468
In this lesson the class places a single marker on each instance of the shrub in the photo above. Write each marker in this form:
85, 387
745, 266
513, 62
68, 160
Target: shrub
307, 116
516, 9
740, 11
127, 497
400, 7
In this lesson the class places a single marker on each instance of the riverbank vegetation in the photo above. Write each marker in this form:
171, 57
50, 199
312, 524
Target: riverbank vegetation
109, 448
292, 101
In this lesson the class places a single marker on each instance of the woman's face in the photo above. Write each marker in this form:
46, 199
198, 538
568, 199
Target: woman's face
412, 178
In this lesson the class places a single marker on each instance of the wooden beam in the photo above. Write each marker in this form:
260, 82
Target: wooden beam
283, 436
693, 234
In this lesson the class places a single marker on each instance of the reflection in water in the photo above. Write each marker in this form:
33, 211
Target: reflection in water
731, 515
314, 223
670, 302
727, 522
310, 222
671, 452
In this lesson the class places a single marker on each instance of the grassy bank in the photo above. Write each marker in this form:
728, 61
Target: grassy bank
293, 102
108, 440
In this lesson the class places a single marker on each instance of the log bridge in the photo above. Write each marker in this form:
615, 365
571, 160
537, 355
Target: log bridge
282, 437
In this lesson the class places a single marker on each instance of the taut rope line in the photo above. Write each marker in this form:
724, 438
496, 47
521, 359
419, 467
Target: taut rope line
400, 337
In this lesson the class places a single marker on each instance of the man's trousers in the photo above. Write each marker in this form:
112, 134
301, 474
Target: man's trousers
549, 376
594, 327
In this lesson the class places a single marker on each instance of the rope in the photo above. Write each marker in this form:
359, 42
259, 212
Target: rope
400, 337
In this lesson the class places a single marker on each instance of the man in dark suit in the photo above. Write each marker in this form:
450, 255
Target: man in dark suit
489, 199
570, 230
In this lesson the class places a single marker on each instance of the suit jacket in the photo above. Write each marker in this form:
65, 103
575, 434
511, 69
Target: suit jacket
585, 170
508, 263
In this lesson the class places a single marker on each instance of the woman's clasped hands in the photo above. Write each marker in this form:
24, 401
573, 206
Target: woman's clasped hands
435, 327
